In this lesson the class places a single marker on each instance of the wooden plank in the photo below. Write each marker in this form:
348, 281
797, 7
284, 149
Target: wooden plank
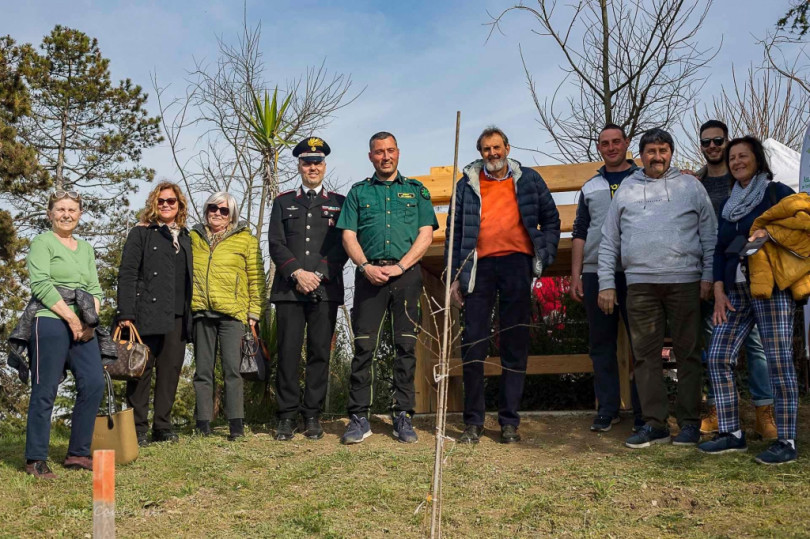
433, 261
558, 364
568, 213
428, 350
558, 178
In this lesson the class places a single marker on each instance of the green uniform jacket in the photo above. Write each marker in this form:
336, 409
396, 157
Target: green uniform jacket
387, 216
231, 279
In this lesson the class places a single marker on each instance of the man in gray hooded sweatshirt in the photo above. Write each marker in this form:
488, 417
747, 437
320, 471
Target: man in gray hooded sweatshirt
662, 229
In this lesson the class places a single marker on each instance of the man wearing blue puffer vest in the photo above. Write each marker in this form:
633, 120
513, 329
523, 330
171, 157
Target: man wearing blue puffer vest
507, 228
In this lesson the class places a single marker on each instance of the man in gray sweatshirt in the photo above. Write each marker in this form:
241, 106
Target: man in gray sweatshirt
661, 229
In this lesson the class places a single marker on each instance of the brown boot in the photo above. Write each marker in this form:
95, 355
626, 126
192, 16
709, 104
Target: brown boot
766, 424
708, 424
39, 469
75, 462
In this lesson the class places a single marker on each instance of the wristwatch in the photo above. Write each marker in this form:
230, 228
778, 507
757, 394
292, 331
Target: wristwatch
362, 267
319, 275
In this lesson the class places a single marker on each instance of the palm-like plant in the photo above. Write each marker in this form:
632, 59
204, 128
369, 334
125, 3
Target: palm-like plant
270, 133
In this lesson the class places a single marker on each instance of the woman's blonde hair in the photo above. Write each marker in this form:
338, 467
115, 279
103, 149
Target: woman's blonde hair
150, 213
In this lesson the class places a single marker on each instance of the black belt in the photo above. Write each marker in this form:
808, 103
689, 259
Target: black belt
383, 262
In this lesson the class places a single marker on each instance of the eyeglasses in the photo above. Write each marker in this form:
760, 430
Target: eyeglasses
59, 194
170, 201
718, 141
223, 210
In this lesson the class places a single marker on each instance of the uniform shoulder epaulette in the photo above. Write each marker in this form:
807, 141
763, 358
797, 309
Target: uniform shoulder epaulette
287, 192
423, 191
361, 182
336, 194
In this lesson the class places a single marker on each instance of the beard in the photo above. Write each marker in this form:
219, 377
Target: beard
714, 161
495, 165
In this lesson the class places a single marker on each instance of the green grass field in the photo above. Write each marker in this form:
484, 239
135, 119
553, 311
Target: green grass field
562, 480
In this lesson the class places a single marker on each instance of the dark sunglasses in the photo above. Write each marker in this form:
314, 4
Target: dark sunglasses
718, 141
59, 194
170, 201
223, 211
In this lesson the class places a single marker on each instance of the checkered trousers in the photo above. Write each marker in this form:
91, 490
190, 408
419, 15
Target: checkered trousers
774, 317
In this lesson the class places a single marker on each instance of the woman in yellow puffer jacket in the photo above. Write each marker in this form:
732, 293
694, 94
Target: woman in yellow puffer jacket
228, 292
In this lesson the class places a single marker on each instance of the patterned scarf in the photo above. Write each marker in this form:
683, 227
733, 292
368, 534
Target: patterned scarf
215, 237
174, 229
742, 201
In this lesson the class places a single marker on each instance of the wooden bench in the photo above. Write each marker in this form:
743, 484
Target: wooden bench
560, 179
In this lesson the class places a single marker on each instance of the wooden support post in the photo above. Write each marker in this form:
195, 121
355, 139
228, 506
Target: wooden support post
624, 356
104, 494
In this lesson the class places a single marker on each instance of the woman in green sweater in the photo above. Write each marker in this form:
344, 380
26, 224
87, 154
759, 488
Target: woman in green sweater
59, 341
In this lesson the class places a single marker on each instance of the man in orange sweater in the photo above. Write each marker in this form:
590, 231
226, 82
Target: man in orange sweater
506, 231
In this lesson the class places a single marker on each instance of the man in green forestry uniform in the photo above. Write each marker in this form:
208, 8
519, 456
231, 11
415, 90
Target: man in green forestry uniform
388, 223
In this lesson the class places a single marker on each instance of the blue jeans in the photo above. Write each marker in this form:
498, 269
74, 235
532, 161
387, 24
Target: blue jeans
759, 381
52, 351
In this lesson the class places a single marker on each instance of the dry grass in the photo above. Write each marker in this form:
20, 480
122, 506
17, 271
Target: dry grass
562, 480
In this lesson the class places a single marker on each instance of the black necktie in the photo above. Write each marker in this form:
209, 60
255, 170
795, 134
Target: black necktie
311, 195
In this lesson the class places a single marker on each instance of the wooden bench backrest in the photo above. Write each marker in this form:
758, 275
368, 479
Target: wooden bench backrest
558, 178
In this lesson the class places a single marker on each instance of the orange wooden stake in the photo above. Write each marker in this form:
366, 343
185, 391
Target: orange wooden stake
104, 494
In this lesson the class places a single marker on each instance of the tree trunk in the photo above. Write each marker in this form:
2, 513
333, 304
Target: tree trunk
60, 159
269, 192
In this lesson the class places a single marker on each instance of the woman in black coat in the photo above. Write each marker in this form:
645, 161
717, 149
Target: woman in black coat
154, 295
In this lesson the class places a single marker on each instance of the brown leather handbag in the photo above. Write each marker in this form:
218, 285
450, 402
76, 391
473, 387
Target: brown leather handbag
133, 356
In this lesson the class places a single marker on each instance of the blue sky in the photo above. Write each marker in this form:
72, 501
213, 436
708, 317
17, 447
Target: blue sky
420, 61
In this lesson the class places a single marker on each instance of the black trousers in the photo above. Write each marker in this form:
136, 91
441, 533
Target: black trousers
400, 297
510, 278
603, 336
293, 317
168, 352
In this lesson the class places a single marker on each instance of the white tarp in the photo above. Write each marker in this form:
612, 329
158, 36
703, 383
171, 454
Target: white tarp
805, 167
784, 162
804, 175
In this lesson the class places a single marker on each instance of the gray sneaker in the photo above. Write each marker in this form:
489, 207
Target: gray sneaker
403, 429
357, 431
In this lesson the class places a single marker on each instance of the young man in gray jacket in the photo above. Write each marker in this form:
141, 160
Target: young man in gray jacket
603, 329
662, 229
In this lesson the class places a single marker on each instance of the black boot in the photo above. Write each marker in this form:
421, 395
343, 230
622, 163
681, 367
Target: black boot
164, 435
204, 427
285, 430
237, 429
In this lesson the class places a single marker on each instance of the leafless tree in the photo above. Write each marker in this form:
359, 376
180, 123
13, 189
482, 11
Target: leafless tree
209, 132
788, 55
629, 62
765, 104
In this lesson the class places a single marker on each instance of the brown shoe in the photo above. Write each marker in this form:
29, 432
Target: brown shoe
40, 470
708, 424
78, 463
766, 424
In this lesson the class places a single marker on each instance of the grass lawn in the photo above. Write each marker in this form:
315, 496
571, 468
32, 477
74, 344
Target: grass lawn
561, 480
